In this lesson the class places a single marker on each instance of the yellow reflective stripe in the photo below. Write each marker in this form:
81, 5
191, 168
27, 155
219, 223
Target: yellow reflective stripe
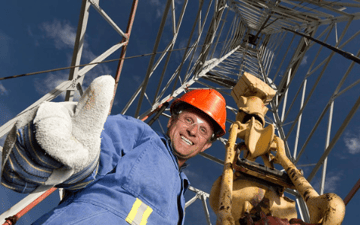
139, 213
133, 211
146, 215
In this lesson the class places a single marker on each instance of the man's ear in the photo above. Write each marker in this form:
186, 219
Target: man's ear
170, 122
206, 146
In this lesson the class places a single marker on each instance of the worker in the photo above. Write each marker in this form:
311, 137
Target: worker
136, 178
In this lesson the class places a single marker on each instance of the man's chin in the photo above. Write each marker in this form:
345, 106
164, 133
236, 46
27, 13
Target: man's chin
180, 155
188, 149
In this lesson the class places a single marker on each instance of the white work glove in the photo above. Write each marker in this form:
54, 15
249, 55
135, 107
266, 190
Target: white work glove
71, 135
67, 132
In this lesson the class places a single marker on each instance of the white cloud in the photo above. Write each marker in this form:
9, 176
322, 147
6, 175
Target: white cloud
304, 61
159, 7
3, 90
51, 81
191, 174
194, 177
138, 79
332, 181
62, 33
115, 102
98, 70
352, 142
198, 179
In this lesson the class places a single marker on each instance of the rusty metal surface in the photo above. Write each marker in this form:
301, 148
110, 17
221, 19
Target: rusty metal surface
223, 209
123, 50
327, 209
252, 196
263, 172
352, 192
271, 220
251, 96
234, 198
13, 219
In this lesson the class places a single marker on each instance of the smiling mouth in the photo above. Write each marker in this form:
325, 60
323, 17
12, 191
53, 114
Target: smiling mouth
187, 141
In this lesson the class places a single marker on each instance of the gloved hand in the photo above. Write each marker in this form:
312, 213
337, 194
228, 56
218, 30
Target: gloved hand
57, 143
73, 137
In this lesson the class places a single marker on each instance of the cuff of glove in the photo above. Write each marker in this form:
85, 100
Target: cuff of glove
28, 166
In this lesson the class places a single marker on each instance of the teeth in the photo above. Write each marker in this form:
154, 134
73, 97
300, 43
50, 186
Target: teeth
187, 141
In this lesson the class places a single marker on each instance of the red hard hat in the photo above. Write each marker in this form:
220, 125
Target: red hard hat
209, 101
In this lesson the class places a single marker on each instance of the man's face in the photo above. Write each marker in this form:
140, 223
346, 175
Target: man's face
190, 133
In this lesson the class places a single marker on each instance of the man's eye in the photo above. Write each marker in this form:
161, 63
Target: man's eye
188, 120
203, 130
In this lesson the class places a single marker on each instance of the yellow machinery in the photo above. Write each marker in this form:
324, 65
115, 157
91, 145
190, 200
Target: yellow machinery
253, 189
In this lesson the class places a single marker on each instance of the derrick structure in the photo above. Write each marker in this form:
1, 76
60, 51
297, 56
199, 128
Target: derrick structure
219, 41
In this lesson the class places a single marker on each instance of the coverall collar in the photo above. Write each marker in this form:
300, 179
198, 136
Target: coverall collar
166, 140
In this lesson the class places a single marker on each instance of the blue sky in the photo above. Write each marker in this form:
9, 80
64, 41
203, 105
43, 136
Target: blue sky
40, 36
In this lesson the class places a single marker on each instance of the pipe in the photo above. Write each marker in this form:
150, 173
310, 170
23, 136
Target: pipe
123, 50
13, 219
224, 212
352, 192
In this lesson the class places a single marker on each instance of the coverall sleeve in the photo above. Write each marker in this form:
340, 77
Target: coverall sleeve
121, 134
29, 166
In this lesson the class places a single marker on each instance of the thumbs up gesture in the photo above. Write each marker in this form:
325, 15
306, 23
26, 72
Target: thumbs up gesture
71, 135
57, 143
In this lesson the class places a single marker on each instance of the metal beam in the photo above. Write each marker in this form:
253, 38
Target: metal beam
123, 50
152, 59
335, 139
78, 47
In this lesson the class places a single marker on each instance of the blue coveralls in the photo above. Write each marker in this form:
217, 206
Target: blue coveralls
138, 181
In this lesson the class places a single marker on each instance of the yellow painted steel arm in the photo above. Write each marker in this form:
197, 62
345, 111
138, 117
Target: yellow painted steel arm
224, 212
327, 209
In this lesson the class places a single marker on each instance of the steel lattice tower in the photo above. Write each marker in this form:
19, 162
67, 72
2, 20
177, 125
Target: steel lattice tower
270, 39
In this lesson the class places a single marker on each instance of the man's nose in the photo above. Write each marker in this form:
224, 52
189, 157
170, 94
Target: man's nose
192, 129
